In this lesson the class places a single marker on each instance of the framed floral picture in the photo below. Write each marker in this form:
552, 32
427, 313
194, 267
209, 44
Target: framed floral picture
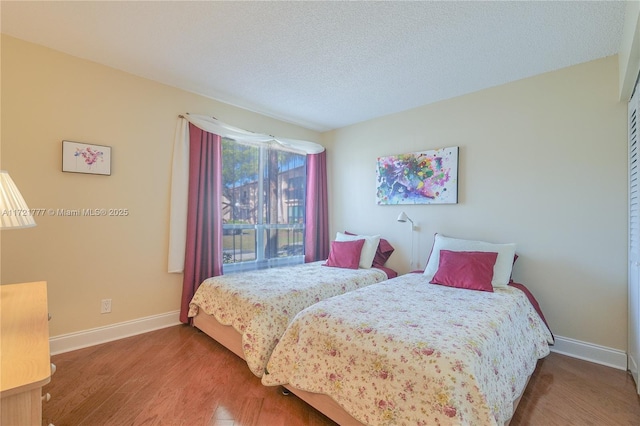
425, 177
80, 157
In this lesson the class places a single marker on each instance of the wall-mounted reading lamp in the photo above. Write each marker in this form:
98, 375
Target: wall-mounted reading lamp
404, 218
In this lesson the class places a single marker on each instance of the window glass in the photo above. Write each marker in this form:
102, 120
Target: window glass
263, 206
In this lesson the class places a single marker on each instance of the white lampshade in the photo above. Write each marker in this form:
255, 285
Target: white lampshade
403, 218
14, 212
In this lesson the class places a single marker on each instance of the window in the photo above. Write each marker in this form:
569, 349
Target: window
263, 206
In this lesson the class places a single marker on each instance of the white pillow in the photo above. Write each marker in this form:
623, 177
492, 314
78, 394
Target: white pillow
368, 249
501, 270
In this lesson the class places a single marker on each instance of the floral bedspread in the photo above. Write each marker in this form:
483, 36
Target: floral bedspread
405, 352
261, 304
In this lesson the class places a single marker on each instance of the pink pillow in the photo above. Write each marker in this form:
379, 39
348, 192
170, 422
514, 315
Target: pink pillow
345, 254
383, 252
472, 270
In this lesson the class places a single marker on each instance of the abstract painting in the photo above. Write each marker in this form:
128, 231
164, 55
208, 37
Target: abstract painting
425, 177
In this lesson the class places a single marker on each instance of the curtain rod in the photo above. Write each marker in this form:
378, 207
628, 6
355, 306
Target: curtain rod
182, 116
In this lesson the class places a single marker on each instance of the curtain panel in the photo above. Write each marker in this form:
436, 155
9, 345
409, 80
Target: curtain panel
316, 235
203, 248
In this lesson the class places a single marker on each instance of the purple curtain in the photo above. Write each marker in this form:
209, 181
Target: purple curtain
203, 252
316, 236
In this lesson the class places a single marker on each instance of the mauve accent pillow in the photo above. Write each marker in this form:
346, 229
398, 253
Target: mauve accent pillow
383, 252
345, 254
472, 270
501, 270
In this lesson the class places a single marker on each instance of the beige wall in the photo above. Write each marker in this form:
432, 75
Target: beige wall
48, 97
543, 163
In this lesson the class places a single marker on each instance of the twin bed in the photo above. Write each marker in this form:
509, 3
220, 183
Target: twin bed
364, 349
407, 352
249, 312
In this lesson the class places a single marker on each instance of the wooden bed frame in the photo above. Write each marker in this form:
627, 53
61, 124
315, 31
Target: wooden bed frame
228, 337
327, 406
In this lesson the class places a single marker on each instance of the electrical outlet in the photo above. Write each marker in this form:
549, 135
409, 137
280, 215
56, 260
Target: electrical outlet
105, 307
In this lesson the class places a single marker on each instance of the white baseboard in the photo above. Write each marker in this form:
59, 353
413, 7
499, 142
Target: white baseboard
590, 352
95, 336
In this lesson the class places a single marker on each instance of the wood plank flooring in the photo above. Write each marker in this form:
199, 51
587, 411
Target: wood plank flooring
179, 376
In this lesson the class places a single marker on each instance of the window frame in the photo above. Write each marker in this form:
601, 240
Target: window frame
260, 228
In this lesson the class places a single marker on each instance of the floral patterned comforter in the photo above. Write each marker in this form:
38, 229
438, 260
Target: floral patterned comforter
261, 304
405, 352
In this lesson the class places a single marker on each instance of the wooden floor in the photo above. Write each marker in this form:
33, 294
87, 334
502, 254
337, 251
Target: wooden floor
179, 376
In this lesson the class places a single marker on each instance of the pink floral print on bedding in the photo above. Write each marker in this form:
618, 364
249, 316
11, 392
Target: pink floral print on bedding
407, 352
260, 304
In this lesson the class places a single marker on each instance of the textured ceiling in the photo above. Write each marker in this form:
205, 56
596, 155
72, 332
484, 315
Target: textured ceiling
325, 65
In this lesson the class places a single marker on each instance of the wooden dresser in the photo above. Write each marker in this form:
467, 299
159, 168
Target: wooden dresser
25, 364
